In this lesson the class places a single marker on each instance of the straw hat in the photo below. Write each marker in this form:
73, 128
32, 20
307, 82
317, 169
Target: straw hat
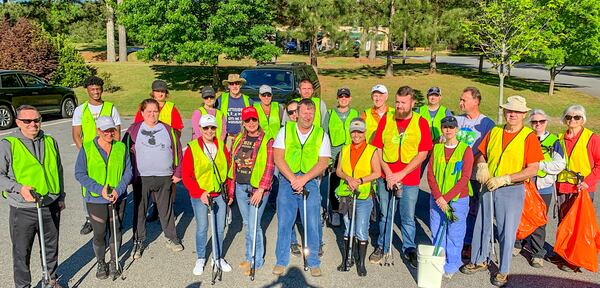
516, 103
232, 78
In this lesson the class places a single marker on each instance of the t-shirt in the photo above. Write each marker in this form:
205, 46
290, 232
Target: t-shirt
243, 159
95, 110
471, 131
533, 149
154, 151
176, 122
426, 144
234, 114
324, 151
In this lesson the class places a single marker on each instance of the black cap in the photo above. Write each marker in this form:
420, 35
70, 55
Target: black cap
159, 85
434, 90
449, 121
207, 91
343, 91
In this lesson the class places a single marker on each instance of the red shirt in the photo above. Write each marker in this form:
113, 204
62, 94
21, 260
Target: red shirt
533, 150
414, 177
461, 187
189, 177
176, 121
593, 150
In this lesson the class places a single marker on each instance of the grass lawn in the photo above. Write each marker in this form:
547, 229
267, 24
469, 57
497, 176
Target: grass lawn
134, 79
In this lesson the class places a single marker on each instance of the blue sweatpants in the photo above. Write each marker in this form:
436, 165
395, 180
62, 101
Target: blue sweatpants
452, 240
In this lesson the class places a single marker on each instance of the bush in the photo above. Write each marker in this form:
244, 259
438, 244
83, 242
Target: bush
109, 86
71, 70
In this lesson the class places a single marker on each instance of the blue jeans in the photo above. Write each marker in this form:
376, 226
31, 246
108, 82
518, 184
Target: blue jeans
247, 211
201, 216
288, 205
406, 208
452, 239
361, 224
473, 207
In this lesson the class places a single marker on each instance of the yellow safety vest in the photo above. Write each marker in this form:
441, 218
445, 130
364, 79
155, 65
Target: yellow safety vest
99, 170
361, 169
509, 160
166, 113
578, 160
225, 102
448, 173
372, 123
435, 124
209, 179
260, 162
339, 133
302, 158
218, 116
406, 143
88, 122
270, 124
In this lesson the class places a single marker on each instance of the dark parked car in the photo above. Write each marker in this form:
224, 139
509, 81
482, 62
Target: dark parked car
19, 87
284, 79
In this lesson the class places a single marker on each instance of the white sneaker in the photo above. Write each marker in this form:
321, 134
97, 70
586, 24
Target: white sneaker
199, 268
224, 265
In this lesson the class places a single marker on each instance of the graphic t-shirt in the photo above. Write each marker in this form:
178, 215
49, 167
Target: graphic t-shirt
243, 160
234, 114
154, 151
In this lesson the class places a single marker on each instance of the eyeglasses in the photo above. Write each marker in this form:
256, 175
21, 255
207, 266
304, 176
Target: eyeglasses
291, 112
209, 97
266, 95
576, 117
28, 121
235, 83
535, 122
250, 120
344, 96
448, 126
212, 128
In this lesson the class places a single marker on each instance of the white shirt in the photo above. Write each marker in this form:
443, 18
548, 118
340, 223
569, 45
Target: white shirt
324, 151
95, 110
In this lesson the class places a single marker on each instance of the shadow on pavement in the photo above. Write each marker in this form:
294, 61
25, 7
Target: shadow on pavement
527, 280
293, 278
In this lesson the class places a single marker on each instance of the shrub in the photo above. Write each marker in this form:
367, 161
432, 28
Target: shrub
71, 70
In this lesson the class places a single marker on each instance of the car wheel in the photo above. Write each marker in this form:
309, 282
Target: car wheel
6, 117
67, 108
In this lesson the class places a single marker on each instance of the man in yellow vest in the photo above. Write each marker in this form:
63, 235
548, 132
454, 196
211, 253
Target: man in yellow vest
301, 152
306, 90
372, 116
231, 104
510, 155
31, 163
84, 124
270, 113
403, 140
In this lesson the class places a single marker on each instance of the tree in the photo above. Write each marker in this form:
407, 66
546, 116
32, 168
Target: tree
110, 32
508, 30
362, 16
389, 64
122, 40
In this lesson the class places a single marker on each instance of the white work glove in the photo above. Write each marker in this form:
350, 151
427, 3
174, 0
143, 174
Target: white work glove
483, 173
498, 181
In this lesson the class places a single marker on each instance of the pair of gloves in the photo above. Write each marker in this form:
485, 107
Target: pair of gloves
492, 183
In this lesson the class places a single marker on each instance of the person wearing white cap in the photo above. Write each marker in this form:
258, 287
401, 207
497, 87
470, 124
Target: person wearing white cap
358, 167
205, 165
103, 169
510, 155
372, 116
270, 112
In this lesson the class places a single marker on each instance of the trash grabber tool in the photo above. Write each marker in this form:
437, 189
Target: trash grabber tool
352, 228
38, 205
305, 250
217, 271
327, 212
389, 256
114, 231
253, 264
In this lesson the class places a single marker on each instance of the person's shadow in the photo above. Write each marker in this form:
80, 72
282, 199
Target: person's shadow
293, 278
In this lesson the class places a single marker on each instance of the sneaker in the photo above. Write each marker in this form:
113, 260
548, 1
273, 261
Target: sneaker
321, 250
473, 268
112, 269
199, 267
296, 250
556, 259
102, 270
335, 220
568, 267
466, 251
315, 272
516, 251
224, 265
448, 275
537, 262
376, 256
411, 256
139, 249
86, 228
174, 245
278, 270
500, 280
244, 265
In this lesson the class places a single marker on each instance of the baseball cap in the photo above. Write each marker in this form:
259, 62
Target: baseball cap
208, 120
434, 90
379, 88
207, 91
159, 85
249, 112
265, 89
105, 122
343, 91
449, 121
358, 124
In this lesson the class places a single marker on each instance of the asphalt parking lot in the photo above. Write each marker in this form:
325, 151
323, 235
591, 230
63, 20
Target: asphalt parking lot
159, 267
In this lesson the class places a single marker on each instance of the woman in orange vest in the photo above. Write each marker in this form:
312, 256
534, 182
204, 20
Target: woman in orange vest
582, 154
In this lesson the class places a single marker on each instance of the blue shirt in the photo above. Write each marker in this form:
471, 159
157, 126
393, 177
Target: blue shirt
234, 114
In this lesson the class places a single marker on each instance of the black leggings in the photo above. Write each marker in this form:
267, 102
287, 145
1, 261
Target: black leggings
101, 220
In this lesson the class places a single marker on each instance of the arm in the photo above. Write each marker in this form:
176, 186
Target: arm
118, 132
196, 123
127, 176
7, 183
375, 169
81, 175
554, 166
384, 166
61, 176
324, 114
76, 135
318, 169
284, 169
594, 156
177, 172
529, 171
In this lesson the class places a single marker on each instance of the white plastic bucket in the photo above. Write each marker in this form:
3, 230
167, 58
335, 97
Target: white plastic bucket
431, 268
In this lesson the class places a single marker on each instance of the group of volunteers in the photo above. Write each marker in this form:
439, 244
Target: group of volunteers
363, 167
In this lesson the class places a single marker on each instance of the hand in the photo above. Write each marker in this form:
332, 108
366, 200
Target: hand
498, 181
105, 193
299, 183
175, 179
441, 202
26, 193
204, 198
230, 201
353, 183
113, 196
61, 205
391, 180
582, 186
483, 173
257, 196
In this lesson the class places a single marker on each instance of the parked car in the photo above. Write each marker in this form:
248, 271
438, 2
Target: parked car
284, 79
20, 87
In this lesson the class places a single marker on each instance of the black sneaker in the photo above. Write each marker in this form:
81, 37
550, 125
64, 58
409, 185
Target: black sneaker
411, 256
112, 269
139, 249
86, 228
296, 251
376, 256
102, 270
321, 250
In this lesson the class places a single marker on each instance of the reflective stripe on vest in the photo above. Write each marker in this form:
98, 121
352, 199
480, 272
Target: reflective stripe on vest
302, 158
166, 113
372, 123
361, 169
509, 160
225, 102
88, 122
317, 101
435, 124
339, 133
578, 160
28, 170
218, 116
260, 162
406, 143
448, 173
204, 170
547, 148
97, 168
272, 123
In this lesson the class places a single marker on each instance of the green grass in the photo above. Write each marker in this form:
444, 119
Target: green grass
134, 79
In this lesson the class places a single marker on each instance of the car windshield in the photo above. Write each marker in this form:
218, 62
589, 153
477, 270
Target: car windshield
277, 79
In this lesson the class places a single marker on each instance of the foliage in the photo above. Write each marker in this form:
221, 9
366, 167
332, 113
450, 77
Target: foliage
72, 69
109, 84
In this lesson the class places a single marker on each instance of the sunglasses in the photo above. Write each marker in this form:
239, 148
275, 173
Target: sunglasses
343, 96
291, 112
109, 131
28, 121
209, 97
535, 122
576, 117
250, 120
212, 128
266, 95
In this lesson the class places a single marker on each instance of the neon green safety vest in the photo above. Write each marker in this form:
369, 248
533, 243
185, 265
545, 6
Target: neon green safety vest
547, 145
372, 123
339, 133
270, 124
225, 102
28, 170
435, 124
88, 123
218, 116
260, 163
166, 113
302, 158
317, 119
98, 169
448, 173
361, 169
407, 142
206, 176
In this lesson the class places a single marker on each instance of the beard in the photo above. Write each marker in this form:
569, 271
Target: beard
399, 115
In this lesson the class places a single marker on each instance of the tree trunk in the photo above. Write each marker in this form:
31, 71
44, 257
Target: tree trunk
362, 50
110, 33
298, 45
122, 40
216, 80
314, 52
552, 77
373, 48
501, 74
480, 70
389, 65
432, 61
404, 48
